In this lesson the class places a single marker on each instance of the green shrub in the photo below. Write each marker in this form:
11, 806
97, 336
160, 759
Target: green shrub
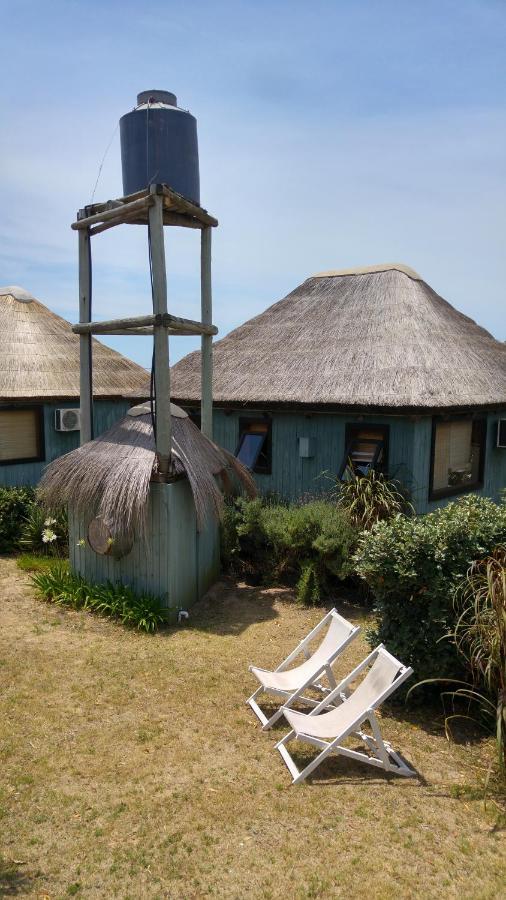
371, 498
58, 585
44, 532
414, 566
308, 545
15, 506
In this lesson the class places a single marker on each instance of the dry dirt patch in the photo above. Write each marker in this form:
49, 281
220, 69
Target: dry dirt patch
132, 768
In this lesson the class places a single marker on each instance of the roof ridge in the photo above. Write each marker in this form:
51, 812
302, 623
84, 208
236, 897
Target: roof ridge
370, 270
19, 293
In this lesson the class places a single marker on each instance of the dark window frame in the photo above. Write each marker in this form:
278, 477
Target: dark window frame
352, 430
441, 493
244, 424
40, 437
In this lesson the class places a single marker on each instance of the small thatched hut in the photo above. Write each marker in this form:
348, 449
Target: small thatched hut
39, 380
127, 526
364, 364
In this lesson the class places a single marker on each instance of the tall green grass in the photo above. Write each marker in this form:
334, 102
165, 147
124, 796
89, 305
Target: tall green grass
480, 635
142, 611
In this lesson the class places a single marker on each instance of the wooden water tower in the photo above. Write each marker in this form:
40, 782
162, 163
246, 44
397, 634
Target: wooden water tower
176, 561
155, 207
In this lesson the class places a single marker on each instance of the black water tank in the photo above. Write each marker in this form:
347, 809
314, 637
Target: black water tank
159, 146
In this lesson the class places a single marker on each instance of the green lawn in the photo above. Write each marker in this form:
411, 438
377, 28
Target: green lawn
131, 768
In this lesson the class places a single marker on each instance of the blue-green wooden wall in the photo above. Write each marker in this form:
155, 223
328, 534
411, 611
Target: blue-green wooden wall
293, 477
173, 560
494, 478
56, 443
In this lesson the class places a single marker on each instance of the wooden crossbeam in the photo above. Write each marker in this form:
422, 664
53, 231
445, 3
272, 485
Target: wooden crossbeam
133, 209
137, 324
177, 203
117, 212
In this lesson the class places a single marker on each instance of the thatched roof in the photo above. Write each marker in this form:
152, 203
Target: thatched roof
39, 356
376, 337
110, 475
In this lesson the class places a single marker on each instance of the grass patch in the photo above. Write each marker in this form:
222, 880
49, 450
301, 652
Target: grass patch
152, 778
32, 562
57, 584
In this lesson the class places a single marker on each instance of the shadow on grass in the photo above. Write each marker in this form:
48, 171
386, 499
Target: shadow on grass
13, 881
431, 717
340, 770
230, 607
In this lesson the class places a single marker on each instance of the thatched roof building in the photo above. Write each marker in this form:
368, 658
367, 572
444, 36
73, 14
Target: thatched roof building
39, 356
375, 337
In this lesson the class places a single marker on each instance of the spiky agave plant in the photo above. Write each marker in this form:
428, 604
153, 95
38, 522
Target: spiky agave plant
371, 498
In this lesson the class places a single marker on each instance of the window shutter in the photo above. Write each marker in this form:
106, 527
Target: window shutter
19, 430
452, 450
460, 444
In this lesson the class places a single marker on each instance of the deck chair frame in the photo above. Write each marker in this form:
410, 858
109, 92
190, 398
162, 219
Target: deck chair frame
383, 756
312, 681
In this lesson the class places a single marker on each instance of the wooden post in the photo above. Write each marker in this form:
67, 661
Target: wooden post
161, 338
85, 340
206, 407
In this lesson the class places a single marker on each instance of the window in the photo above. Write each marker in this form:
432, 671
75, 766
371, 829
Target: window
458, 456
255, 445
21, 435
366, 448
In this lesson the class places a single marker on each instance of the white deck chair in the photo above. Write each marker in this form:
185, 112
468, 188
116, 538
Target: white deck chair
291, 683
384, 677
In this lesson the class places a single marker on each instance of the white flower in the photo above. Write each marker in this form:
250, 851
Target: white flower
49, 521
48, 536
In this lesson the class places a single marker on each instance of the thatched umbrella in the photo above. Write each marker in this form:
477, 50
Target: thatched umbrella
39, 356
376, 337
109, 477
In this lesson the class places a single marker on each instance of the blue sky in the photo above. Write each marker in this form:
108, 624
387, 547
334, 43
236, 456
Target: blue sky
331, 134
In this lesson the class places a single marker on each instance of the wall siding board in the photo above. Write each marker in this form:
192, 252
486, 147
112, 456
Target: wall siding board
293, 477
56, 443
168, 562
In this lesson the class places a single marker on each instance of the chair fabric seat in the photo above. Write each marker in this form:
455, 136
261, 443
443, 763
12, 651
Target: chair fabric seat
292, 679
336, 722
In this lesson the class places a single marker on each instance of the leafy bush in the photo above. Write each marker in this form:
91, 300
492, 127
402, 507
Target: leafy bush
414, 566
44, 532
371, 498
308, 545
58, 585
15, 506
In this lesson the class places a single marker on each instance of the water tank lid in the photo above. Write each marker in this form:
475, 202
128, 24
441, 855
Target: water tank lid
158, 97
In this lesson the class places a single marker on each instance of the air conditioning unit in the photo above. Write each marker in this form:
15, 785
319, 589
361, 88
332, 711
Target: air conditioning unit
501, 433
67, 419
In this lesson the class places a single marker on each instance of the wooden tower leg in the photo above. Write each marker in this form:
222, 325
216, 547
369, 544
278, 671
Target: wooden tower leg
161, 338
207, 339
85, 340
